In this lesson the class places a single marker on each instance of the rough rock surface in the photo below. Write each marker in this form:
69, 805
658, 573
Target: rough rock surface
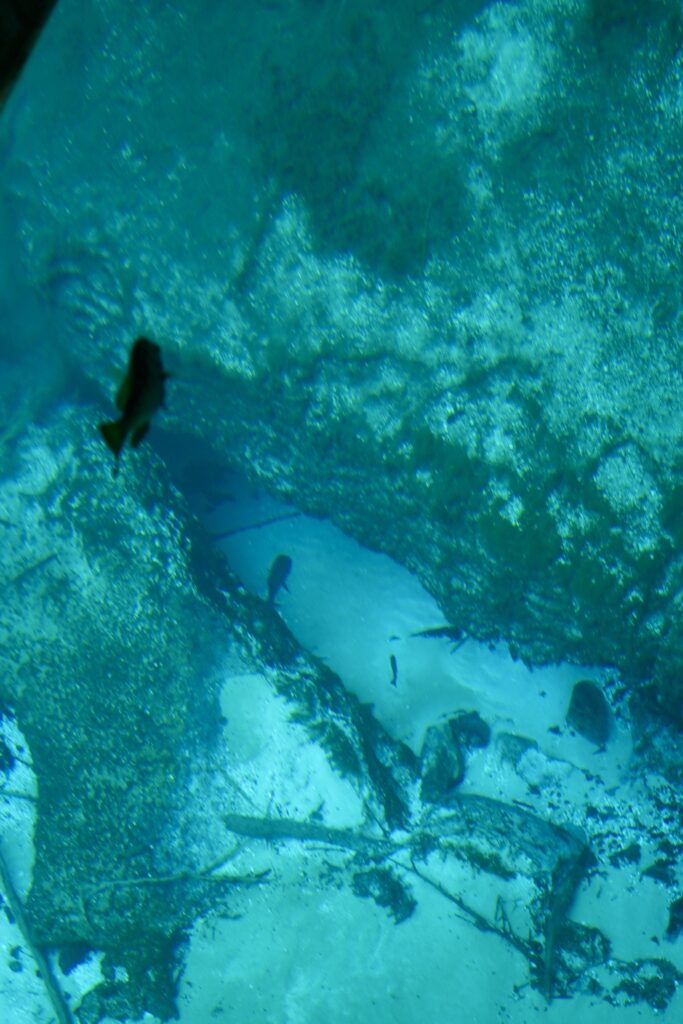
415, 268
423, 258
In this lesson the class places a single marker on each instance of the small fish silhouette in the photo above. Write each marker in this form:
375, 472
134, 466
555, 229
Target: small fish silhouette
394, 670
277, 577
138, 398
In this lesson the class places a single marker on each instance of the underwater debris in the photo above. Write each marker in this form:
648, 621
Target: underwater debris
652, 981
663, 870
493, 837
394, 670
277, 577
12, 794
627, 855
208, 873
274, 829
7, 758
138, 398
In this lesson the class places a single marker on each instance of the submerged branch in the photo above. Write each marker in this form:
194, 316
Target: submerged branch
288, 828
207, 873
473, 916
494, 837
54, 992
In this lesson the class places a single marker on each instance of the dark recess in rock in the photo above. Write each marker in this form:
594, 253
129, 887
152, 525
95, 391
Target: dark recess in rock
20, 23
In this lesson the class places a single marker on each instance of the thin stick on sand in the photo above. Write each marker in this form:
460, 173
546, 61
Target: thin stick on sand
54, 992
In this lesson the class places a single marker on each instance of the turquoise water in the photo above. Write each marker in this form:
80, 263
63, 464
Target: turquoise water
414, 273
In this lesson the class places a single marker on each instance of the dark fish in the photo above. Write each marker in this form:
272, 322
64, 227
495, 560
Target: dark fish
138, 398
444, 632
436, 632
277, 577
394, 670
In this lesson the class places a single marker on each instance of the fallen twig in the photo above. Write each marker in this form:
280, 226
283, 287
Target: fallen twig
207, 873
254, 526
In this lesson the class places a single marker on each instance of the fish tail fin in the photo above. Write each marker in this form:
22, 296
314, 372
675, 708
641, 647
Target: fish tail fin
114, 434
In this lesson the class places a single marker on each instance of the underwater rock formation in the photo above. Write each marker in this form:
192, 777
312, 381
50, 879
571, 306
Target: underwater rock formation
444, 291
412, 289
589, 713
113, 608
442, 764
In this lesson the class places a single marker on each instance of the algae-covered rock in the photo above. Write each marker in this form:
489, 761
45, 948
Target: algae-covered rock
442, 764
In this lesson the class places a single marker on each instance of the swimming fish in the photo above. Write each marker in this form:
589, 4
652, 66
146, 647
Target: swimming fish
394, 670
277, 577
453, 633
436, 632
138, 398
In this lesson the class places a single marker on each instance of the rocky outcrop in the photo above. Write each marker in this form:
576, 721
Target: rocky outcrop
423, 262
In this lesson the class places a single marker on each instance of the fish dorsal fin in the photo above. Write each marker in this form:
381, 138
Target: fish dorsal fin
123, 393
137, 435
